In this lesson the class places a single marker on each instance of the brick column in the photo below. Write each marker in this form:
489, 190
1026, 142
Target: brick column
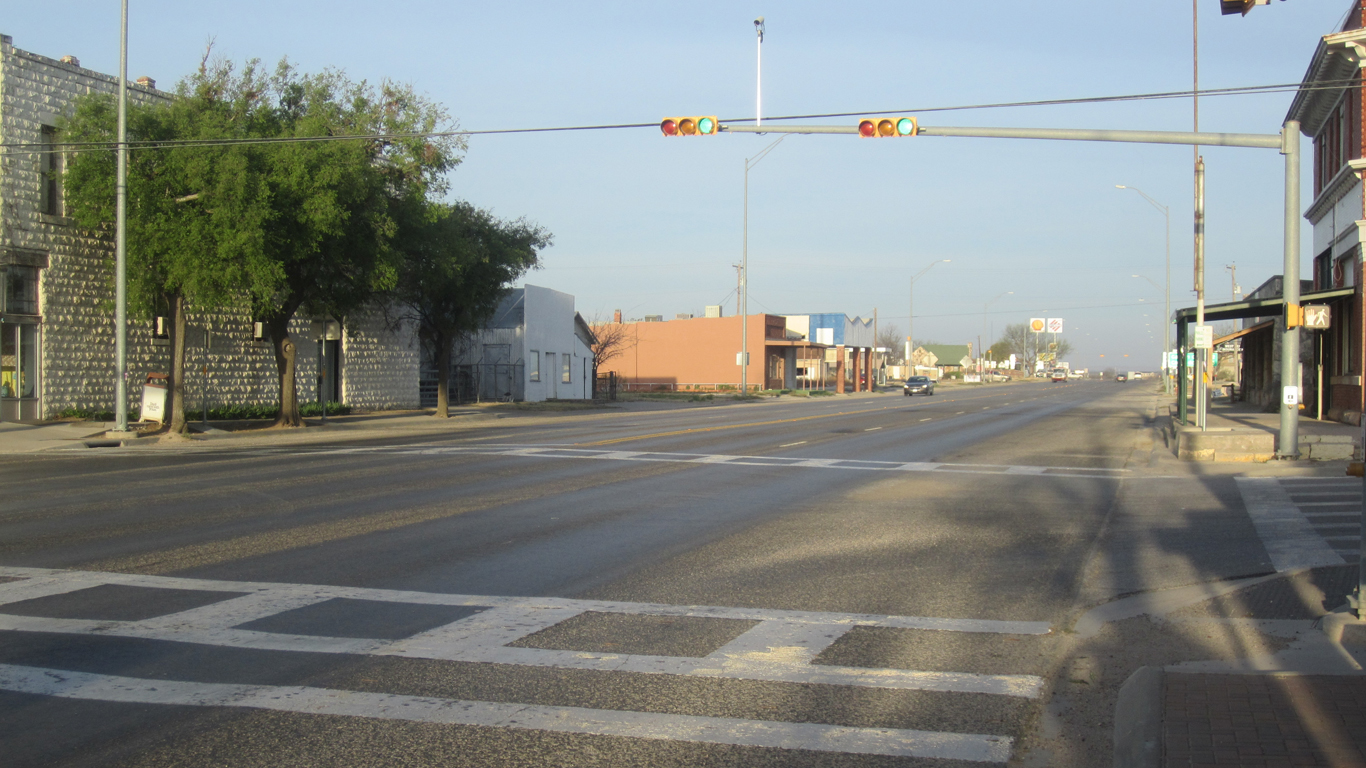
839, 369
868, 368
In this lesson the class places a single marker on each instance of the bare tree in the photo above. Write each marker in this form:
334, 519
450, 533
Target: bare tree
613, 339
890, 337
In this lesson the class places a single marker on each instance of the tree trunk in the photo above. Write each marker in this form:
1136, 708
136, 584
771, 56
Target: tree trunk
285, 358
177, 372
443, 375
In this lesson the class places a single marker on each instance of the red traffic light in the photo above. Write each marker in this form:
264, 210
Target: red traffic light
866, 129
669, 127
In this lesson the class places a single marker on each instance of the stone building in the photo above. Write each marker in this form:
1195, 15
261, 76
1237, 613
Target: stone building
56, 305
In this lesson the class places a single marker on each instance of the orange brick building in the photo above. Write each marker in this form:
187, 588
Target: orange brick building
700, 354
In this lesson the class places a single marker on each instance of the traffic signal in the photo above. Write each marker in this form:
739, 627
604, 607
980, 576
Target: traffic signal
706, 125
879, 127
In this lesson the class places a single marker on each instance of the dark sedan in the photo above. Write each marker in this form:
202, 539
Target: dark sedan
918, 385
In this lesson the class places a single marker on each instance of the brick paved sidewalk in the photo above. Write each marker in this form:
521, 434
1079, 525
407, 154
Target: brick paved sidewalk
1264, 720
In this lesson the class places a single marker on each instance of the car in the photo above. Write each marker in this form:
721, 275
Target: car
1121, 377
918, 385
1058, 374
995, 376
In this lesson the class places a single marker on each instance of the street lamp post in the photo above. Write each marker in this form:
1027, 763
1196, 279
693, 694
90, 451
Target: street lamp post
1166, 292
910, 318
744, 270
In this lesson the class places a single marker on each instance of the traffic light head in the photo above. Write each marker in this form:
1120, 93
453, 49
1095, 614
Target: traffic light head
706, 125
881, 127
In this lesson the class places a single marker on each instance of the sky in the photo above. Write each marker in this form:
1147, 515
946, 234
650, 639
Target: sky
654, 225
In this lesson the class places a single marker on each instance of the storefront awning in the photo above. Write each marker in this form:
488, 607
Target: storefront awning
1272, 307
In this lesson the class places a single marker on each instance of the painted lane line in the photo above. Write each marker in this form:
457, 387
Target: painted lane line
927, 420
789, 445
872, 429
558, 719
960, 413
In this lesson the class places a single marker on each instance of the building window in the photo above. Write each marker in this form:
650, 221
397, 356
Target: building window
20, 294
51, 167
535, 358
566, 372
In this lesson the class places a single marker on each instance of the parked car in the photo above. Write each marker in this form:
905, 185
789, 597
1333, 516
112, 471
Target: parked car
1058, 374
918, 385
995, 376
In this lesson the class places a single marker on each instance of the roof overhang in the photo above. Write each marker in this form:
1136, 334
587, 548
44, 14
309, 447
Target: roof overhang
1337, 58
1244, 332
1272, 307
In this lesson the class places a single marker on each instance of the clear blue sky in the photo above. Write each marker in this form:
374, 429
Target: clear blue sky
651, 225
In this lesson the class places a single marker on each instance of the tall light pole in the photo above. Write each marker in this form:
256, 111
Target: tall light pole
910, 318
759, 73
1167, 292
121, 238
744, 269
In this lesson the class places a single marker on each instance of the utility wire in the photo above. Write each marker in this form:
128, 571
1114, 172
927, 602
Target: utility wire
16, 147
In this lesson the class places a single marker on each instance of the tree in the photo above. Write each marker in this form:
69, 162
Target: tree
457, 263
1018, 340
613, 339
893, 340
335, 203
300, 215
191, 239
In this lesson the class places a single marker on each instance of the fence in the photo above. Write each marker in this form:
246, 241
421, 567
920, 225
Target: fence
474, 383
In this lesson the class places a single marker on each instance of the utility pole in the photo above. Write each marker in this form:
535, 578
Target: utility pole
1201, 354
121, 238
1233, 278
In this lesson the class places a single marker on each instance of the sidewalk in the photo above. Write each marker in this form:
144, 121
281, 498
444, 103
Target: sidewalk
57, 435
1240, 431
1303, 704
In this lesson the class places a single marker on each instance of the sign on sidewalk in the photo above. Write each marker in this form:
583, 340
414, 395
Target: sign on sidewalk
1204, 337
1055, 325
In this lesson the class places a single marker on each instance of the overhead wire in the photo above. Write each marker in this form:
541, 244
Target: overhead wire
28, 147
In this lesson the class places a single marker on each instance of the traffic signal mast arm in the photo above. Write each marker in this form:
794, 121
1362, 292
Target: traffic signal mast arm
1253, 140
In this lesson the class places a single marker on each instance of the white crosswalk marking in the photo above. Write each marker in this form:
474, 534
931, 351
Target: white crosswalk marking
781, 646
570, 452
1294, 530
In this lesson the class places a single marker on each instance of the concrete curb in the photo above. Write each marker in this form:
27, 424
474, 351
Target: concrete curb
1138, 720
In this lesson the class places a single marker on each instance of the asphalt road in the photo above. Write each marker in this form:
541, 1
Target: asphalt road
854, 581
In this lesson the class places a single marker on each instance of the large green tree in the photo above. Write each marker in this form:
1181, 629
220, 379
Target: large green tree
336, 201
276, 191
458, 263
194, 210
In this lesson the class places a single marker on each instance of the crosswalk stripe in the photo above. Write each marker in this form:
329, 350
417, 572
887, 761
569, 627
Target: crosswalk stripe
570, 452
484, 637
1287, 535
576, 720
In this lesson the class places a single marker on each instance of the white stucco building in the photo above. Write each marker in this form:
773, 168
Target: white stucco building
536, 347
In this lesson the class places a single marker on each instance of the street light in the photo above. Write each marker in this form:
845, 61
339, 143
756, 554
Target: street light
744, 268
1167, 292
910, 319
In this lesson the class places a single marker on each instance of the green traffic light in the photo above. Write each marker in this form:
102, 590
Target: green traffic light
706, 125
905, 126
